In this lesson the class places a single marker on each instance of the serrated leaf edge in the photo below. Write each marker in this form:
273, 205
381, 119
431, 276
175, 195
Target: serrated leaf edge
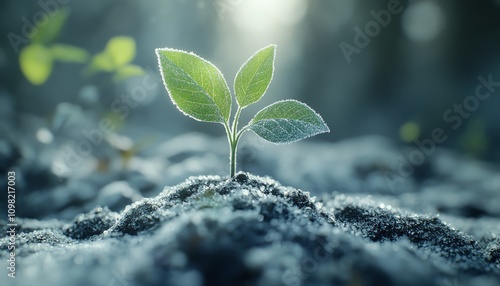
326, 130
158, 50
244, 64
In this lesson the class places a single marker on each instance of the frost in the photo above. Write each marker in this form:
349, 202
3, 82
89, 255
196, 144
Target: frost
195, 86
198, 89
254, 77
256, 229
287, 121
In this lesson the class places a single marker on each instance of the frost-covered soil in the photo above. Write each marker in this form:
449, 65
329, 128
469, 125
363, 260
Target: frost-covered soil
251, 230
111, 223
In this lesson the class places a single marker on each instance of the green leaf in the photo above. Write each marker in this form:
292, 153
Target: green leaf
46, 32
118, 53
128, 71
254, 77
67, 53
101, 62
287, 121
36, 63
195, 85
121, 50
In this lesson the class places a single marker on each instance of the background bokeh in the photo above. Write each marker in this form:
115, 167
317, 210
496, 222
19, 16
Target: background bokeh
95, 207
426, 59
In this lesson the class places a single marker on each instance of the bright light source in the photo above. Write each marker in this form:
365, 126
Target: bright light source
264, 16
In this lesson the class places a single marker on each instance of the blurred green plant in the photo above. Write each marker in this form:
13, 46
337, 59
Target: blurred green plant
38, 57
116, 58
198, 89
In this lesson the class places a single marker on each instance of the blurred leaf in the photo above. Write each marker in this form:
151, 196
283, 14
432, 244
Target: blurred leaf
47, 33
36, 63
195, 85
287, 121
101, 62
409, 132
254, 76
67, 53
121, 50
118, 53
128, 71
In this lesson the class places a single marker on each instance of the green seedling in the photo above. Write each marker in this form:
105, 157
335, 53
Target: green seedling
199, 90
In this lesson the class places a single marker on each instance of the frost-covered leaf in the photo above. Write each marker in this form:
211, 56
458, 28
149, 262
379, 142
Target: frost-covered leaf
254, 76
195, 85
287, 121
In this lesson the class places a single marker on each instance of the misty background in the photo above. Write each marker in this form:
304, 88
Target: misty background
419, 64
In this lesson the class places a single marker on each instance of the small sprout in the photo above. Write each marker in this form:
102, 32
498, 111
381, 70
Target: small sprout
198, 89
